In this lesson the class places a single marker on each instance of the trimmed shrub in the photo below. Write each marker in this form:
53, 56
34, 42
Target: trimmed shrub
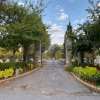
14, 65
87, 73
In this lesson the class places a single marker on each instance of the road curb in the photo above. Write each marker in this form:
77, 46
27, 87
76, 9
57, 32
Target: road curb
19, 76
91, 87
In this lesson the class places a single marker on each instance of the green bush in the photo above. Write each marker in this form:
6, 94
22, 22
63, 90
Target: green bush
20, 70
14, 65
87, 73
4, 66
96, 77
69, 69
7, 69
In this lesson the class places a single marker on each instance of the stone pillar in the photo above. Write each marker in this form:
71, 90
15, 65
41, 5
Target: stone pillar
68, 53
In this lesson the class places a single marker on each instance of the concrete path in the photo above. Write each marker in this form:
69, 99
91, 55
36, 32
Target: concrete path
49, 83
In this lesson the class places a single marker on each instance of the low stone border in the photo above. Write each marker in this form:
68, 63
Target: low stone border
91, 87
19, 76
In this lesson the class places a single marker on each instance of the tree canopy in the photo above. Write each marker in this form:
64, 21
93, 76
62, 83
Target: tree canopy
23, 25
86, 38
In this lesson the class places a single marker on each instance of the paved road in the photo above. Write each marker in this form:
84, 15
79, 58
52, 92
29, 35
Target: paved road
49, 83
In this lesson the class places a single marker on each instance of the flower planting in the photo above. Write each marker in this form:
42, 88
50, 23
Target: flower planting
6, 73
10, 69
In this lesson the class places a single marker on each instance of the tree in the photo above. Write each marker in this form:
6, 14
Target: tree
28, 31
10, 14
24, 27
94, 10
53, 49
88, 39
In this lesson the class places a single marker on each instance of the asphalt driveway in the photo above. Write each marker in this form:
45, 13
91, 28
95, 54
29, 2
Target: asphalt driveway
49, 83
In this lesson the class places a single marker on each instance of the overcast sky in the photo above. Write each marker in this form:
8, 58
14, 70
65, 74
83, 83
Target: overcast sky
59, 12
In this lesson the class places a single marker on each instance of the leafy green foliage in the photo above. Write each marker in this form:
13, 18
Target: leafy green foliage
6, 73
53, 49
24, 27
69, 69
13, 65
87, 73
86, 38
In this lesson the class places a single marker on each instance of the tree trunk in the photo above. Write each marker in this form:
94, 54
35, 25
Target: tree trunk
93, 57
13, 55
37, 52
82, 58
25, 51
